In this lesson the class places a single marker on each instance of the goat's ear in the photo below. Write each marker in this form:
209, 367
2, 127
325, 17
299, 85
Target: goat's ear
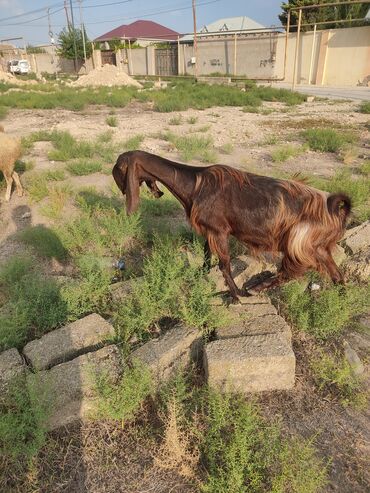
132, 190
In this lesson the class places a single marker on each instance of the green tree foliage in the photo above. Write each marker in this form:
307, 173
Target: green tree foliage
323, 14
66, 44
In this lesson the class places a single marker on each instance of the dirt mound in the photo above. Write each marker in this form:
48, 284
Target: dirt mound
7, 78
108, 75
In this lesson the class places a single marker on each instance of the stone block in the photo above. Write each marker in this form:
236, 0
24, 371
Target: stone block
66, 343
250, 364
120, 290
358, 265
175, 349
71, 386
11, 366
358, 238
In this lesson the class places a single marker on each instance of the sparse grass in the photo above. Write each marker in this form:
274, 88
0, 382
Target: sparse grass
192, 120
332, 373
133, 143
37, 187
55, 175
57, 199
250, 109
175, 120
365, 107
285, 152
326, 313
44, 242
327, 139
84, 167
112, 121
190, 147
170, 287
122, 401
227, 148
31, 304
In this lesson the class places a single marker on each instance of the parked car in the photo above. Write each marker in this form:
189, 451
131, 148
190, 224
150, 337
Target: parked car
19, 66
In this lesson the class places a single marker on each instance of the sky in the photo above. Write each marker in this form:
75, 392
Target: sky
28, 18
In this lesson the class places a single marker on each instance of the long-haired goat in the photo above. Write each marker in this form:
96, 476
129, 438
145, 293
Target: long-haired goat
267, 214
10, 151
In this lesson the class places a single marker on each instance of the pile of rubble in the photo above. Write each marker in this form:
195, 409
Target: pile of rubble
107, 75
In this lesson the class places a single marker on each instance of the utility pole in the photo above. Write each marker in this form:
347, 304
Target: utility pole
74, 34
67, 15
82, 31
195, 45
52, 41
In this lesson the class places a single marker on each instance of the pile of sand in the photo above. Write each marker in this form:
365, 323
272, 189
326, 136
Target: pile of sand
108, 75
7, 78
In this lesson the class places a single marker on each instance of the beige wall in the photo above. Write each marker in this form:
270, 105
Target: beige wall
340, 57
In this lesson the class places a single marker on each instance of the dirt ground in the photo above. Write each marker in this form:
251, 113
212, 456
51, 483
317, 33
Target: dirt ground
104, 458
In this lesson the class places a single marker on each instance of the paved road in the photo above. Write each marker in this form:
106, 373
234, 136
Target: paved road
353, 93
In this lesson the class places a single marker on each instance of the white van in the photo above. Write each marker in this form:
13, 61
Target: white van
19, 66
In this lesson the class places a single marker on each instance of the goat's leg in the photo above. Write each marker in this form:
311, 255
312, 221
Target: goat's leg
290, 269
18, 184
327, 264
219, 246
9, 182
207, 257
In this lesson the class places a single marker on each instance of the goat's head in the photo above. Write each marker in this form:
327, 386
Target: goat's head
127, 175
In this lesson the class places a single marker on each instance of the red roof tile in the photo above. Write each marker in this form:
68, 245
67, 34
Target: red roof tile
140, 29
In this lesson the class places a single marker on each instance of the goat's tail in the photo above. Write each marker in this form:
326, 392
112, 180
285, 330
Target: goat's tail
339, 205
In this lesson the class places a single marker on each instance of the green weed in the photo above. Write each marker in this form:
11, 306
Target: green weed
55, 175
327, 312
57, 199
327, 139
3, 112
44, 242
112, 121
31, 304
175, 120
285, 152
365, 107
192, 120
190, 147
123, 400
334, 374
84, 167
37, 186
133, 143
227, 148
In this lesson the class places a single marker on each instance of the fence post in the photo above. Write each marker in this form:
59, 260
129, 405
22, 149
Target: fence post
296, 48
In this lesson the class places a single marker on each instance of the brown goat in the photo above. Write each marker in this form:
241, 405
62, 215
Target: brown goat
267, 214
10, 151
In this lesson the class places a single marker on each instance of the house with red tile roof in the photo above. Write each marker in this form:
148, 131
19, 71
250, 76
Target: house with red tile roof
142, 32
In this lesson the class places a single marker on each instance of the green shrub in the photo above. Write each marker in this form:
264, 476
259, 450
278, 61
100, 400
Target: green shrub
327, 139
244, 453
365, 107
44, 241
23, 414
32, 303
170, 287
89, 293
285, 152
122, 401
84, 167
327, 312
112, 121
334, 374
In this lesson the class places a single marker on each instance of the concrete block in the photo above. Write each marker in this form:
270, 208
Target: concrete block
11, 366
250, 364
71, 385
66, 343
358, 238
175, 349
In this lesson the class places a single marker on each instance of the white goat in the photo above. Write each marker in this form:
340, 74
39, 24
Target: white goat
10, 151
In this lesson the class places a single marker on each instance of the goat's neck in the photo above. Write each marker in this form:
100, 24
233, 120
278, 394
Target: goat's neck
179, 179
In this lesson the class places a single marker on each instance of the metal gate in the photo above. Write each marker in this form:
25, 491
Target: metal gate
108, 57
166, 62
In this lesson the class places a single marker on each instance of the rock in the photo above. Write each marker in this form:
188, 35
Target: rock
248, 326
71, 386
353, 359
120, 290
358, 266
250, 364
360, 341
175, 349
339, 255
358, 238
11, 366
82, 336
310, 99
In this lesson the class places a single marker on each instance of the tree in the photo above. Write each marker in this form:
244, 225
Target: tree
66, 44
323, 14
